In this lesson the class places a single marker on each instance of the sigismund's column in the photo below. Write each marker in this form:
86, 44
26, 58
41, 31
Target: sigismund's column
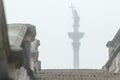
75, 36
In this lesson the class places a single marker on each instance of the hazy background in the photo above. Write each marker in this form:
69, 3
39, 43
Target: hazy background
99, 20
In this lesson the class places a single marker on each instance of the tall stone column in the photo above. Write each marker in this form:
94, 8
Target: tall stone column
75, 36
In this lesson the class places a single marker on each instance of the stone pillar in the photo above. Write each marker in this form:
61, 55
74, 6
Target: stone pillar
76, 54
26, 45
34, 55
75, 36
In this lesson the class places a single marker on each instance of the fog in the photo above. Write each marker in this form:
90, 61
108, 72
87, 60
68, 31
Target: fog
99, 20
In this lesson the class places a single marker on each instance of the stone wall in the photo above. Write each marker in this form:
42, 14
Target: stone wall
15, 49
24, 51
20, 74
72, 74
113, 64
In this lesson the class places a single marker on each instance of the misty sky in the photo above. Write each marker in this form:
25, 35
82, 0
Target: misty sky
99, 20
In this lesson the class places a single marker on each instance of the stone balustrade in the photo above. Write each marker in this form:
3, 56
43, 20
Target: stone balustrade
77, 74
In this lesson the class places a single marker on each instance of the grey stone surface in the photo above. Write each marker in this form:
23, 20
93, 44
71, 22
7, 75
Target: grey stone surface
24, 48
21, 74
113, 64
15, 49
18, 33
35, 65
77, 74
4, 45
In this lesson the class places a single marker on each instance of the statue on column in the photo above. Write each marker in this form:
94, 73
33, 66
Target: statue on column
75, 36
76, 18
